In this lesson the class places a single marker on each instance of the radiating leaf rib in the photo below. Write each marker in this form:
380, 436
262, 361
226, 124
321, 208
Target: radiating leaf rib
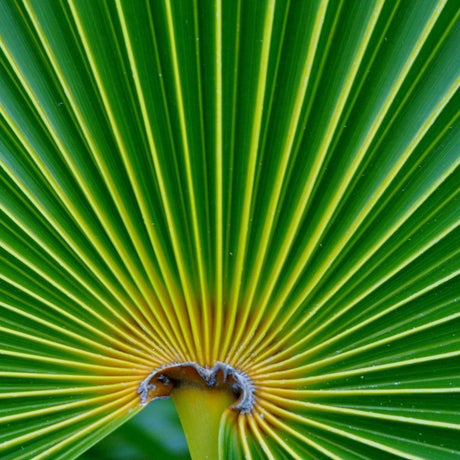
282, 168
66, 293
68, 363
129, 406
263, 139
414, 142
359, 392
72, 272
91, 343
303, 260
68, 204
363, 370
71, 377
243, 436
219, 184
380, 242
57, 391
68, 239
319, 159
76, 351
339, 356
204, 251
360, 325
230, 151
407, 261
256, 432
189, 295
40, 432
177, 302
123, 212
62, 312
377, 412
282, 443
251, 168
61, 407
329, 428
169, 279
304, 439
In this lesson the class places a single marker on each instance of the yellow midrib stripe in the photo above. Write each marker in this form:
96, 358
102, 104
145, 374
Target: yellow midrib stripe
66, 292
63, 312
126, 378
255, 428
144, 287
333, 203
118, 369
390, 274
366, 210
289, 403
366, 257
331, 359
69, 269
290, 351
219, 318
27, 437
316, 167
248, 188
136, 354
268, 381
173, 290
60, 193
297, 394
113, 415
66, 391
62, 407
199, 336
286, 152
74, 350
293, 432
290, 415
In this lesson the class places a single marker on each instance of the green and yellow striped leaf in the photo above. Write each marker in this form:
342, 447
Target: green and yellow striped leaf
273, 185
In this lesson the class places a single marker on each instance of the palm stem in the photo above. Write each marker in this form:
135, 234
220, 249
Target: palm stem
200, 411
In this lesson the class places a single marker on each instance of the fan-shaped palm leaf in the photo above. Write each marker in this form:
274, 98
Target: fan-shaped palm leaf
271, 185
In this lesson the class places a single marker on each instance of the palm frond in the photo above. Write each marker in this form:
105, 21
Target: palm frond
272, 185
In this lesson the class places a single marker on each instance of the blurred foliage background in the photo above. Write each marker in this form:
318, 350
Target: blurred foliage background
152, 434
